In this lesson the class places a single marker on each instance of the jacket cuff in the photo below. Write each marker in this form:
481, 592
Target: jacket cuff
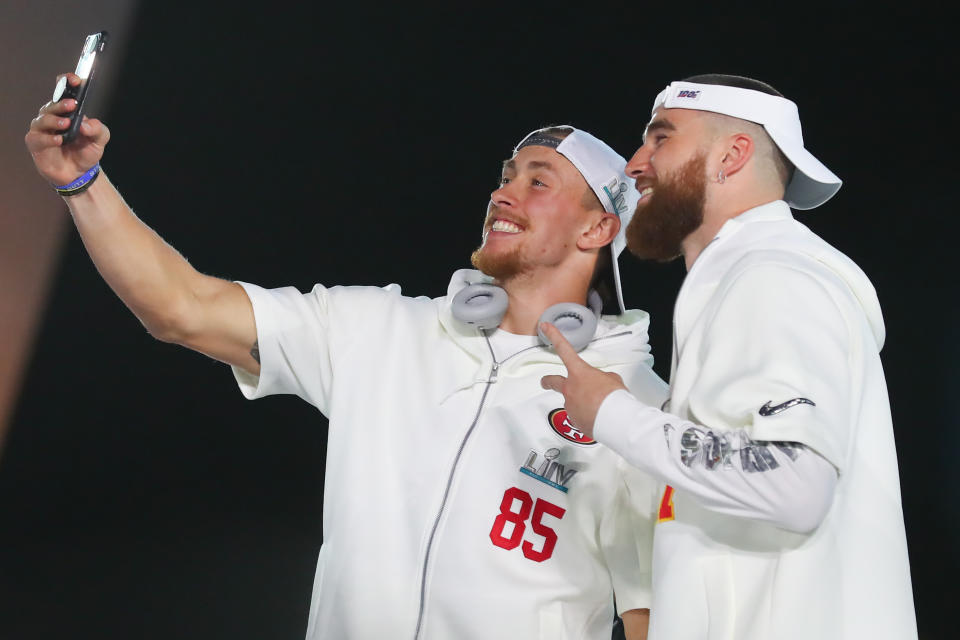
623, 424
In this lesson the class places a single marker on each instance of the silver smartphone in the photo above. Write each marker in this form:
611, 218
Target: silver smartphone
93, 49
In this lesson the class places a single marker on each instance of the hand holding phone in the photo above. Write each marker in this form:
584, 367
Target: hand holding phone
86, 69
56, 124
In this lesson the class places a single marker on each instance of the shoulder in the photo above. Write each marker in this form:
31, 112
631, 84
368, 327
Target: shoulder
372, 296
794, 277
765, 282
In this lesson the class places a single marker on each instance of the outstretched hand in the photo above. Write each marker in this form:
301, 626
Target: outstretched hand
584, 388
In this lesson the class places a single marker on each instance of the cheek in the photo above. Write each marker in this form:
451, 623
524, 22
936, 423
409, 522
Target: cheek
541, 215
660, 161
668, 157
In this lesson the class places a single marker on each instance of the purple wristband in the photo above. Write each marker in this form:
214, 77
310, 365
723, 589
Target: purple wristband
81, 183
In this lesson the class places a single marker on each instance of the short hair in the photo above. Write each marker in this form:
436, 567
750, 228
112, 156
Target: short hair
781, 163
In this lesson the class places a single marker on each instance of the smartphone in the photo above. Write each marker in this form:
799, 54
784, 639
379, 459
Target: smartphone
86, 69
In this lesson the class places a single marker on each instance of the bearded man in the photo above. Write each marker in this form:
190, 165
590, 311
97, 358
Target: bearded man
780, 513
489, 515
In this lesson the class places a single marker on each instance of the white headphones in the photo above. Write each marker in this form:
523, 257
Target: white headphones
483, 306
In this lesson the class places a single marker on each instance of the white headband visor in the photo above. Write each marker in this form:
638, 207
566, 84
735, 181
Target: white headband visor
812, 183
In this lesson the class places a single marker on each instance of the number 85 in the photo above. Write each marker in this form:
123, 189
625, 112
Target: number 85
518, 520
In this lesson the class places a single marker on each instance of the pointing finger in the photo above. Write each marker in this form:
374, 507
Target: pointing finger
568, 355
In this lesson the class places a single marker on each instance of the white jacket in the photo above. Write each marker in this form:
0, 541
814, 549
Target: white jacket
453, 502
770, 313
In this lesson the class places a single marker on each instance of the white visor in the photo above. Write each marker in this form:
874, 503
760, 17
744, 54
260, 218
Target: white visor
812, 183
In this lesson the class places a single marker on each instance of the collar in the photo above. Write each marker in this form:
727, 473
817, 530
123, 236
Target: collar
775, 211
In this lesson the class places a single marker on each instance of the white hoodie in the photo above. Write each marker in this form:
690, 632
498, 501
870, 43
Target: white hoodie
770, 314
456, 501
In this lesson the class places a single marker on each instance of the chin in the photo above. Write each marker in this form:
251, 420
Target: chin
497, 265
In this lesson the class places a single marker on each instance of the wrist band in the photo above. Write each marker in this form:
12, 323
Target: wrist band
81, 184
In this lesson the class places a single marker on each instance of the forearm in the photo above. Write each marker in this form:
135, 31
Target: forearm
172, 299
150, 276
635, 624
785, 484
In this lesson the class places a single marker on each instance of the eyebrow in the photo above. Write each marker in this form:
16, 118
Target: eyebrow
660, 124
533, 164
540, 164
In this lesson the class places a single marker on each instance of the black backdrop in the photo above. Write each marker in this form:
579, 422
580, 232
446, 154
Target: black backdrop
142, 497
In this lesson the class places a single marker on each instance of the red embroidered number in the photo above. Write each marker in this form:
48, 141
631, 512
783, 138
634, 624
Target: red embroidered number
507, 515
517, 521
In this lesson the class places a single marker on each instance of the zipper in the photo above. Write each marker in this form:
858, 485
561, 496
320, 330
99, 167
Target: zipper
491, 379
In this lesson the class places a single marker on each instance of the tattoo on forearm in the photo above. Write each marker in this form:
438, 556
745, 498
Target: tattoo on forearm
255, 351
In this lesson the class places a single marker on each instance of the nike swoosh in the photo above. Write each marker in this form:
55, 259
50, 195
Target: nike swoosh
767, 410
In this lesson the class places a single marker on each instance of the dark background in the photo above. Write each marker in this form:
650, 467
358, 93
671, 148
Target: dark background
142, 497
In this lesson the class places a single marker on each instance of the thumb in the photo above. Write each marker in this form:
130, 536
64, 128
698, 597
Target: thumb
553, 383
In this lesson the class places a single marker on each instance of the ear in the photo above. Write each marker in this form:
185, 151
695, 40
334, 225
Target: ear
737, 153
601, 233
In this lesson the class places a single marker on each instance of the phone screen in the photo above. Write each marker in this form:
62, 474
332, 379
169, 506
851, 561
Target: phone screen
85, 64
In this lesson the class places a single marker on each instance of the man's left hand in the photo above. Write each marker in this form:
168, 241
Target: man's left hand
584, 388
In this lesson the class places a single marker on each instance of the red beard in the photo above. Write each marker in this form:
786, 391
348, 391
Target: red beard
672, 212
500, 267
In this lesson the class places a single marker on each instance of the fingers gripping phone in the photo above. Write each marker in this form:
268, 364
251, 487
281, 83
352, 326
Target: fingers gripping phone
86, 69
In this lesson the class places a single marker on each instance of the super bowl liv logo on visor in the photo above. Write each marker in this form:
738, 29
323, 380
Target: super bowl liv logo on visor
616, 189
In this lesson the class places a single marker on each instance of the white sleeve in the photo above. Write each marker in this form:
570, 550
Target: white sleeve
766, 395
774, 359
293, 338
301, 334
783, 483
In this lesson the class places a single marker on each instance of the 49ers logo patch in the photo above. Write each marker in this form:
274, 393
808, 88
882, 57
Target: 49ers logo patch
561, 424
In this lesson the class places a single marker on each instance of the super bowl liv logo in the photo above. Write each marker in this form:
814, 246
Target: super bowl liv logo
550, 470
616, 190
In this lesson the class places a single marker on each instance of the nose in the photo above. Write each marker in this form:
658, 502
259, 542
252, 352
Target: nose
639, 164
503, 196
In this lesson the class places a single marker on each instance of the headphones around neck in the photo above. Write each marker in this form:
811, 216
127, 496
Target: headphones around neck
483, 306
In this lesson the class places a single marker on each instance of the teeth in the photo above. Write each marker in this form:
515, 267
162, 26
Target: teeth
505, 226
647, 191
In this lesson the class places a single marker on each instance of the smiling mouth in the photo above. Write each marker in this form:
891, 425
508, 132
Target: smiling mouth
646, 191
505, 226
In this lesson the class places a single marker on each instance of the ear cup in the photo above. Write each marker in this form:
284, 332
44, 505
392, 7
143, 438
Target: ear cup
575, 322
481, 305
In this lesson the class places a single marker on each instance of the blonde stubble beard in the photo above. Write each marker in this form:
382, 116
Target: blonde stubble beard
501, 267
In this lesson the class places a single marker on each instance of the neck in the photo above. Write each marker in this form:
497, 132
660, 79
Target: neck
529, 296
716, 212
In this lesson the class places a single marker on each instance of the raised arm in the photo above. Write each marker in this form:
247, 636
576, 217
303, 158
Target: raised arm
174, 301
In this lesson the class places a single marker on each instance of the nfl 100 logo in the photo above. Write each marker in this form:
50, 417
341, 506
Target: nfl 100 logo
689, 93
